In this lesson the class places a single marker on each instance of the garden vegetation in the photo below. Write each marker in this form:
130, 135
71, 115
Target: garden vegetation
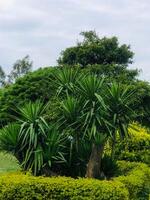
86, 119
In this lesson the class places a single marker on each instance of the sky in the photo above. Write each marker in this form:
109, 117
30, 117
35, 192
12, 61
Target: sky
43, 28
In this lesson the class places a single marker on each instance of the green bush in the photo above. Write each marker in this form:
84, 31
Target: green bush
133, 183
33, 86
8, 163
136, 177
136, 147
26, 187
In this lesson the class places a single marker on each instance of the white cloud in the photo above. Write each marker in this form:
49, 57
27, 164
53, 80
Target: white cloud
6, 4
43, 28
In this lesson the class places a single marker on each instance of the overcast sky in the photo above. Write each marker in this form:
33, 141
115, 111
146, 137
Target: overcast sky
42, 28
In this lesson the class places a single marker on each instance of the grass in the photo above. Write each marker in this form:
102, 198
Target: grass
8, 163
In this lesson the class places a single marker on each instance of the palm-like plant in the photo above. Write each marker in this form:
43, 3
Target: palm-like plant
96, 111
36, 145
94, 120
90, 90
9, 141
70, 110
33, 125
66, 78
53, 150
121, 102
85, 113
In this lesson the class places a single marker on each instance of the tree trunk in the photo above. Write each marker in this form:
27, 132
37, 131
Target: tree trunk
94, 164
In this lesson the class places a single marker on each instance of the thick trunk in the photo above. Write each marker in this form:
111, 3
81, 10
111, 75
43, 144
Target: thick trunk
94, 164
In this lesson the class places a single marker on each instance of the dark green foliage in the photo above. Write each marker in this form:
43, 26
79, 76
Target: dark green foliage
40, 85
143, 106
109, 166
85, 99
92, 109
119, 73
121, 102
77, 156
9, 138
84, 108
33, 86
35, 144
94, 50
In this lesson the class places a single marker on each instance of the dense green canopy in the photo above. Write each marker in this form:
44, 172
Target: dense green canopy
95, 50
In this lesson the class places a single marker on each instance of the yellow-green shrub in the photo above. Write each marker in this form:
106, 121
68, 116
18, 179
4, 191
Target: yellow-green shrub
136, 177
136, 147
25, 187
133, 183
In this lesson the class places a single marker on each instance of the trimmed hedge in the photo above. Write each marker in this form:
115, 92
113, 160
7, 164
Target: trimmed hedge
136, 177
133, 183
25, 187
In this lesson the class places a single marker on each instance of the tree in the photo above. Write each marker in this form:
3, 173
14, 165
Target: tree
101, 56
83, 111
114, 72
94, 50
143, 106
31, 87
20, 68
94, 112
2, 76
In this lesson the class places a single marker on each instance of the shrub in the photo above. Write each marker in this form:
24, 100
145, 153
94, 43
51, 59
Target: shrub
33, 86
136, 177
27, 187
136, 147
132, 184
8, 163
36, 144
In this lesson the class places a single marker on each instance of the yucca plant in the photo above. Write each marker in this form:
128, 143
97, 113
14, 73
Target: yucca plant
85, 112
66, 79
33, 141
94, 120
121, 103
33, 125
55, 147
97, 111
70, 110
9, 139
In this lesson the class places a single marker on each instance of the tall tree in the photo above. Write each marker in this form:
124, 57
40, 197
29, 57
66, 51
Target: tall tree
96, 50
2, 76
20, 68
94, 112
